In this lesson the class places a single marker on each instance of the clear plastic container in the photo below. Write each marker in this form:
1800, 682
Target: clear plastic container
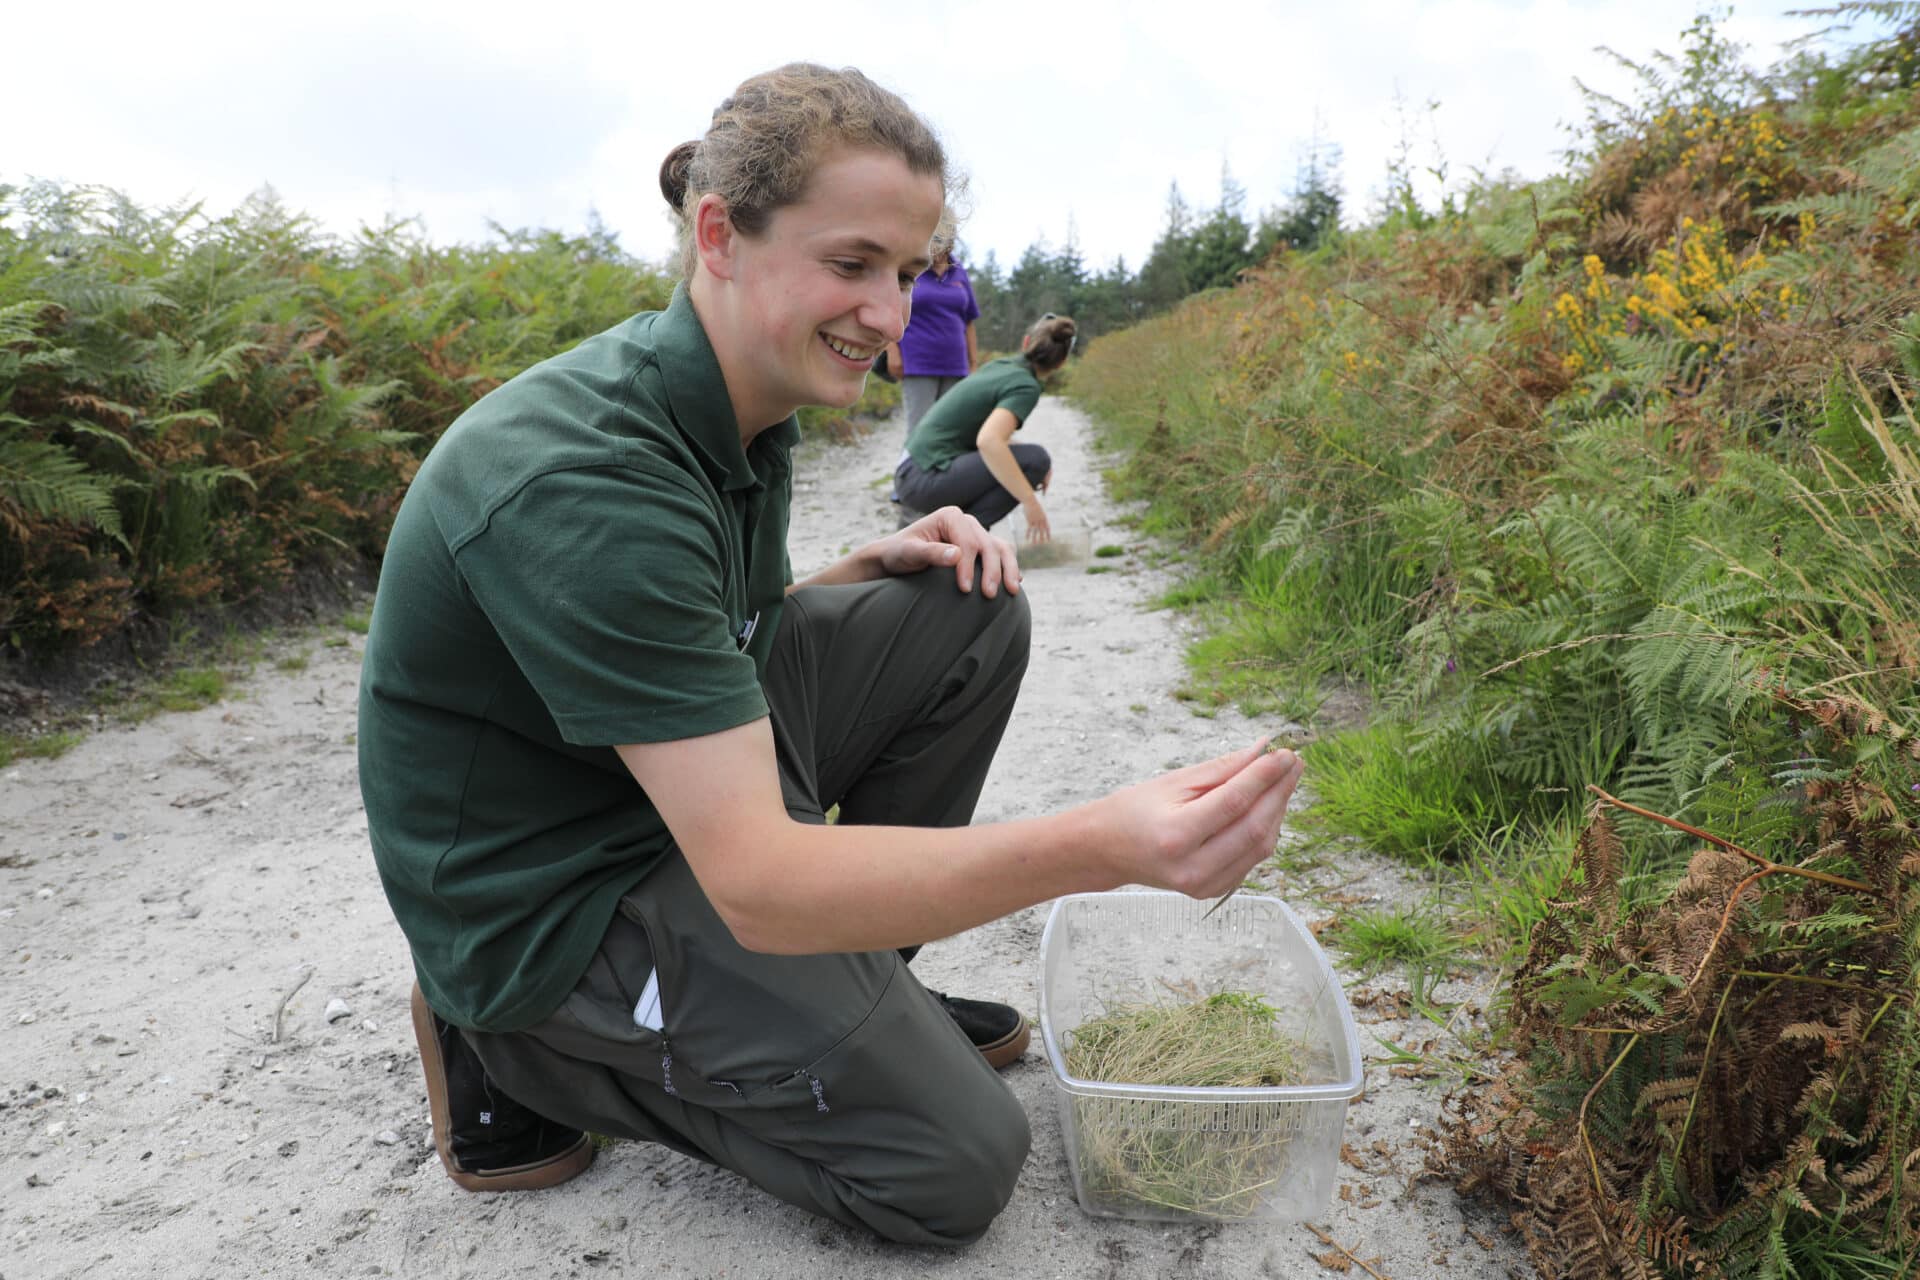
1211, 1153
1071, 543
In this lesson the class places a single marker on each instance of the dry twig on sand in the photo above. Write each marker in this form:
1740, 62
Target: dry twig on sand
280, 1009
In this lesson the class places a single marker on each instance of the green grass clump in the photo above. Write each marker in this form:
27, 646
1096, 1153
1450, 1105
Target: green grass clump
1377, 940
1374, 785
35, 746
1201, 589
1190, 1158
1512, 879
191, 689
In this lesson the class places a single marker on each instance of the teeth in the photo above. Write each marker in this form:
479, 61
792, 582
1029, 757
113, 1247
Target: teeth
850, 351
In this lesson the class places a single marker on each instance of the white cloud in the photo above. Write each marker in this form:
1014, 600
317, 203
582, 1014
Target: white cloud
477, 112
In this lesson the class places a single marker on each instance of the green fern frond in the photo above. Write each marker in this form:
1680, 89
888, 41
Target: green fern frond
1852, 210
173, 373
204, 480
42, 481
87, 297
1529, 219
1892, 171
1588, 536
106, 436
20, 322
355, 441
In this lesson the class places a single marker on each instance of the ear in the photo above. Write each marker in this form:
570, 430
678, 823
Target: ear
713, 236
1026, 340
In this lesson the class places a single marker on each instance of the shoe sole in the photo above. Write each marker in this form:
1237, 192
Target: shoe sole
549, 1172
1008, 1048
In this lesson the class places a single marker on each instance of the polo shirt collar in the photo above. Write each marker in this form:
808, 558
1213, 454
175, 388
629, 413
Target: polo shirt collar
697, 392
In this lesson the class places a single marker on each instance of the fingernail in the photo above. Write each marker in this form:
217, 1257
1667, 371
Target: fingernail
950, 554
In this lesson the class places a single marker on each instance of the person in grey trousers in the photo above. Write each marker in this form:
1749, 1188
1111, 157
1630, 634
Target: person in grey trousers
601, 725
939, 346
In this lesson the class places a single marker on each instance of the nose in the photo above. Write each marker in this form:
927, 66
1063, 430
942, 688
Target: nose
885, 309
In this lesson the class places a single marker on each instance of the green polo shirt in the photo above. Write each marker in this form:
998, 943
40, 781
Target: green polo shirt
587, 557
949, 428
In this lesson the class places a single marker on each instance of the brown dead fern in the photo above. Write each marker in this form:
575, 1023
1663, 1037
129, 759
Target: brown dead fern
1698, 1079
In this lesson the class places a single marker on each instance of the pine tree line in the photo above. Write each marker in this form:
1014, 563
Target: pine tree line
1197, 250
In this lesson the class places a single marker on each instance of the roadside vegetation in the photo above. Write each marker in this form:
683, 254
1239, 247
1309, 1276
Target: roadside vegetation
193, 411
1606, 489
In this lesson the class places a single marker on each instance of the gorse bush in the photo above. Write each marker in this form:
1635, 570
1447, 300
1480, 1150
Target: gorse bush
192, 409
1613, 480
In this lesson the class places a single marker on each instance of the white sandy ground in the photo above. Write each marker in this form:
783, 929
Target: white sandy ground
163, 887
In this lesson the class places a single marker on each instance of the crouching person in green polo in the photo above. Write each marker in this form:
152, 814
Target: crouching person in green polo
600, 726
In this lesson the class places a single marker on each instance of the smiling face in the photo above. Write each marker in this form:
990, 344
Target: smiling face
801, 309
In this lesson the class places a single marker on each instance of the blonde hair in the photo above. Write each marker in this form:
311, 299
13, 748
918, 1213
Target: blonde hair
767, 138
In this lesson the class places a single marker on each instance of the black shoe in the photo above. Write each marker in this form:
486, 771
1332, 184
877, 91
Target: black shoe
1000, 1032
486, 1140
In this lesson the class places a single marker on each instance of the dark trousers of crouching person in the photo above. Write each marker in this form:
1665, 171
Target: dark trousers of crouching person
966, 483
835, 1082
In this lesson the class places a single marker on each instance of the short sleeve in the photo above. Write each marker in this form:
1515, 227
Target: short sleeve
970, 312
608, 586
1019, 399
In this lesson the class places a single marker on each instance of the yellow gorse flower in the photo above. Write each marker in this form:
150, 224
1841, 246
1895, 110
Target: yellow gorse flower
1692, 291
1596, 270
1745, 151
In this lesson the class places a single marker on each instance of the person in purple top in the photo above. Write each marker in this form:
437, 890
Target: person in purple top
938, 348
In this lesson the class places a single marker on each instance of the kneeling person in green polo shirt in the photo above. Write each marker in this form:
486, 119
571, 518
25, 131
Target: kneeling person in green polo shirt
600, 726
962, 452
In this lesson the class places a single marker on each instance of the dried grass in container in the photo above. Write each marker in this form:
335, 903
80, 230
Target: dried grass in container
1172, 1155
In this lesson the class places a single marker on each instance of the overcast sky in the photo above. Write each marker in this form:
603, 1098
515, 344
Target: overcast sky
1063, 114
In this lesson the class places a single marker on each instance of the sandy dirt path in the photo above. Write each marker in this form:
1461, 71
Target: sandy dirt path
206, 1067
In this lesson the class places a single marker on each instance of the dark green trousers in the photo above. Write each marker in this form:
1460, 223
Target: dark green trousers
833, 1081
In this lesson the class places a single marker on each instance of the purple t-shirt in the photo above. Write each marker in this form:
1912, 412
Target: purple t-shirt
935, 342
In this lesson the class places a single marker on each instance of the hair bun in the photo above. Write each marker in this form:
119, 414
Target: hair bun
673, 174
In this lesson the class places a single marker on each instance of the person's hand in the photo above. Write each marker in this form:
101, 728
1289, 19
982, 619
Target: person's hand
1038, 530
950, 536
1201, 829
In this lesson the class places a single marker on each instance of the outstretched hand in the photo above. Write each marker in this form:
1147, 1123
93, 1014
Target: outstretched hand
1038, 528
1201, 829
950, 536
